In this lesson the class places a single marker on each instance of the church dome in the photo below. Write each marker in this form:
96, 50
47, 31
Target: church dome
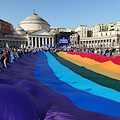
34, 23
19, 31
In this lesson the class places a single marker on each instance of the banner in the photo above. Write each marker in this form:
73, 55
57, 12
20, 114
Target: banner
63, 41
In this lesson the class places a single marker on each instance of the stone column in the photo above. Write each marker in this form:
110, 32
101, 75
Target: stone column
49, 40
88, 43
97, 43
29, 41
108, 43
32, 41
35, 41
46, 40
115, 42
119, 42
42, 40
104, 43
81, 43
100, 43
39, 42
18, 44
85, 43
12, 43
93, 43
21, 44
111, 42
24, 44
52, 41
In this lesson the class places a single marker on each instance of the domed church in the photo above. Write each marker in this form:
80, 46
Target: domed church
34, 23
37, 31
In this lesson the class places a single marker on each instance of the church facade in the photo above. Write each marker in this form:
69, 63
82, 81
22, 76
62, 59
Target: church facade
33, 31
40, 38
37, 31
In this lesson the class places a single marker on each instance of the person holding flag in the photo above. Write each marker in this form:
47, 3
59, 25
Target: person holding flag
7, 46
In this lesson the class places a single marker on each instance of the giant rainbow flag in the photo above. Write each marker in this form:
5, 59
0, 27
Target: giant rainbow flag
61, 86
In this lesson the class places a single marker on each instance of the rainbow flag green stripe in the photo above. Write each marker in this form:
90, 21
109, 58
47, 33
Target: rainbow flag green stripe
86, 73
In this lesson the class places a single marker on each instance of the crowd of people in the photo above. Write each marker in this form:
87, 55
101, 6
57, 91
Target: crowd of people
100, 51
8, 56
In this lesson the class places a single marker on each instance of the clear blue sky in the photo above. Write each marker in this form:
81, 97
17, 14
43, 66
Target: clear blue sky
62, 13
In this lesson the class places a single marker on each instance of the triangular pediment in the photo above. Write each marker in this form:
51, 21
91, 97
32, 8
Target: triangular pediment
40, 33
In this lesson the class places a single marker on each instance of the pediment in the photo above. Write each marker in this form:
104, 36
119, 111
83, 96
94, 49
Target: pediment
40, 32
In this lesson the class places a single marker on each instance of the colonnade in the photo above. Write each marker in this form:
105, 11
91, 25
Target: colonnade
31, 41
13, 43
115, 42
39, 41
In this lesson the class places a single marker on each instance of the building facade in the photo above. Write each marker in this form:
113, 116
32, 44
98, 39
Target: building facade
6, 28
102, 36
33, 31
73, 33
7, 36
74, 39
13, 42
40, 38
112, 41
81, 30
